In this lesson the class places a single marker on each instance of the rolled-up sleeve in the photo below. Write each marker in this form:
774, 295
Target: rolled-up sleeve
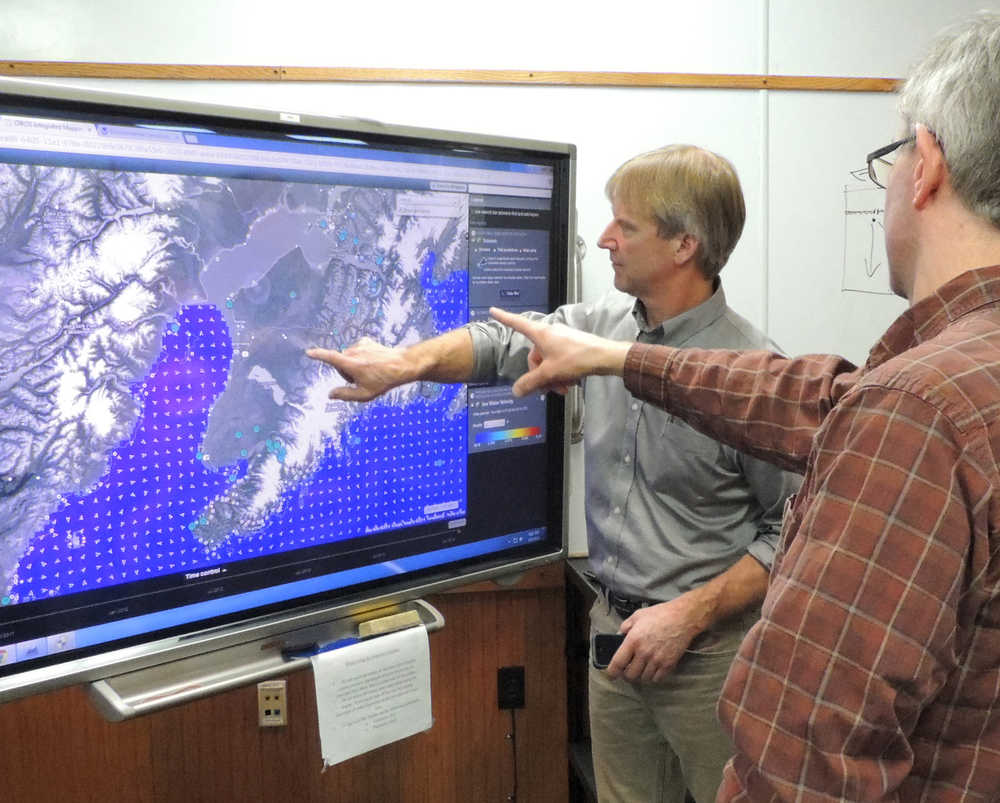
500, 354
772, 486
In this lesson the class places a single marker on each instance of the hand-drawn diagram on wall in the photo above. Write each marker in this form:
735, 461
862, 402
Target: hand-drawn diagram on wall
866, 267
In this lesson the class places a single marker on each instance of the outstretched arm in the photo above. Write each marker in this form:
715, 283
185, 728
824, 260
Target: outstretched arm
759, 402
561, 354
374, 369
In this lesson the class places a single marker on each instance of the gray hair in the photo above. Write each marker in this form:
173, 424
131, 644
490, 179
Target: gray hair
955, 92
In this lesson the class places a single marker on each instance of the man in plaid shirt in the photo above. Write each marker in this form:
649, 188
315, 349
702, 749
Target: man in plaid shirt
874, 673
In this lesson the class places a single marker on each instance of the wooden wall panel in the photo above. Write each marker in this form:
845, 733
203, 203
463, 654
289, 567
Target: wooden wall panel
57, 749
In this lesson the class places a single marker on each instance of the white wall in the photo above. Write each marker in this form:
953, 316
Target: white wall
794, 150
857, 37
815, 141
450, 34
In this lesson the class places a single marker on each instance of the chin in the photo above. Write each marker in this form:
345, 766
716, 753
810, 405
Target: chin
898, 284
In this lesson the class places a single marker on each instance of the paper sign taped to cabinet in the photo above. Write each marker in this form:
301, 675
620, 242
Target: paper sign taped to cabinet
372, 693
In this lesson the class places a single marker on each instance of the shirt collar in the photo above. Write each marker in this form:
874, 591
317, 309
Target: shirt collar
678, 329
929, 317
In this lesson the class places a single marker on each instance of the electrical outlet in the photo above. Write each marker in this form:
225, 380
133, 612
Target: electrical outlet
510, 687
272, 703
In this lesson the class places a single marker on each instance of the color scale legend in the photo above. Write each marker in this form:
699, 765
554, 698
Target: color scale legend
507, 435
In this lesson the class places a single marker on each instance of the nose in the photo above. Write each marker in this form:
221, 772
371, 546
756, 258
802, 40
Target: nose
607, 240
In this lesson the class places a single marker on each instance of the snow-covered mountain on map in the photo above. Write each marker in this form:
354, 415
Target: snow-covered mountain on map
98, 267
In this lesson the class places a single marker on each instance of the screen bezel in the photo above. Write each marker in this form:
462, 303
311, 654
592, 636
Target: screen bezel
268, 627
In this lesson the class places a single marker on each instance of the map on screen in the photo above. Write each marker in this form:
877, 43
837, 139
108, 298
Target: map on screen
151, 364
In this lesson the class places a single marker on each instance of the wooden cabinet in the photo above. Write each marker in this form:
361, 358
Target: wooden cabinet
580, 595
57, 749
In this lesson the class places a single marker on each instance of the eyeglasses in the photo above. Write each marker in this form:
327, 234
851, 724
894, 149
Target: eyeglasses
879, 166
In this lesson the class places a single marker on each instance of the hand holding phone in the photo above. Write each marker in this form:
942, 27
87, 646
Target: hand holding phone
603, 648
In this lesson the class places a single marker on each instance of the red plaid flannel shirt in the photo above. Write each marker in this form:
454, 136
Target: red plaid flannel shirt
874, 673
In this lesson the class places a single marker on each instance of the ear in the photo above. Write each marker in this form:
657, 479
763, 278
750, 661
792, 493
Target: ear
930, 171
685, 248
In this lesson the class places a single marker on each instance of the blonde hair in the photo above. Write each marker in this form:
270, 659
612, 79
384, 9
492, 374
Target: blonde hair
687, 190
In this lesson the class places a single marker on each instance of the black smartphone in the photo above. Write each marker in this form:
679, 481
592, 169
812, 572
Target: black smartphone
603, 648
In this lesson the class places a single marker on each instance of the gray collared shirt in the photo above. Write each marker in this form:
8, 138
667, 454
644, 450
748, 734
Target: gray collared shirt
667, 508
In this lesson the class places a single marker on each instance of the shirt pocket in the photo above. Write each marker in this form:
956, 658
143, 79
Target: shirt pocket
676, 459
685, 439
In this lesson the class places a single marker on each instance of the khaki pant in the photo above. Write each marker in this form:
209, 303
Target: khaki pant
653, 741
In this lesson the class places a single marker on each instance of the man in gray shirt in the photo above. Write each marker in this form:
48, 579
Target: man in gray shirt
681, 529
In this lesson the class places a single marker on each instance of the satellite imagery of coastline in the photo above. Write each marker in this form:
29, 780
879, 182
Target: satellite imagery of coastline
157, 411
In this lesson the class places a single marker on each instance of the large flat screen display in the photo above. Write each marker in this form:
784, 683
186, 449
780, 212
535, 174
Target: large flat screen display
170, 462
